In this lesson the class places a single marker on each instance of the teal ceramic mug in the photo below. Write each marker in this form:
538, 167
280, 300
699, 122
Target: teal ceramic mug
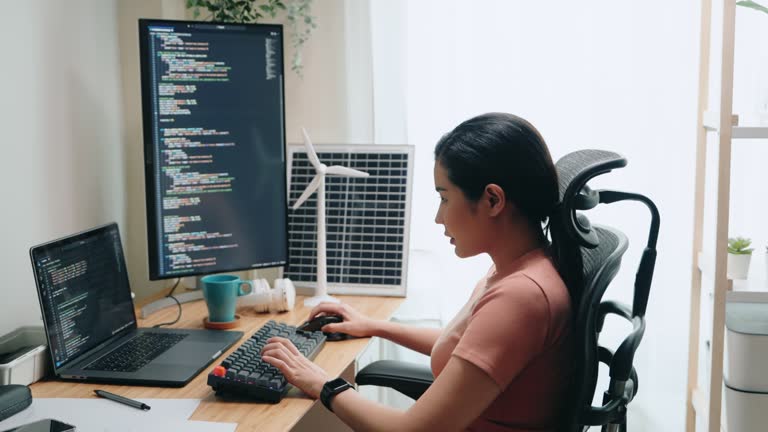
221, 292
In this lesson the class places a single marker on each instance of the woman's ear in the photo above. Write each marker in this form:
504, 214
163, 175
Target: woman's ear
495, 200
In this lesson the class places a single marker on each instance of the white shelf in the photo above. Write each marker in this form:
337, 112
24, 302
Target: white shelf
698, 400
712, 123
705, 263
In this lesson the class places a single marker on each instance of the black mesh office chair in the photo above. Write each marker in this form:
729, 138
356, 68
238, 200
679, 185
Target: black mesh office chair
602, 251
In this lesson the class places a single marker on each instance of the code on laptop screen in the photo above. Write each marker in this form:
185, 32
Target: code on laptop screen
84, 291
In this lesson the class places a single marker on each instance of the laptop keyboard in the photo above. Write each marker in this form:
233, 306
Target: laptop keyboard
243, 373
137, 352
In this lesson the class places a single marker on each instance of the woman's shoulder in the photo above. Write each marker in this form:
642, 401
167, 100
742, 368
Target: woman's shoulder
536, 280
515, 289
535, 266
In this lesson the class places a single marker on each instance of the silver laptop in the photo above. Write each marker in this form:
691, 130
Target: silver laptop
90, 323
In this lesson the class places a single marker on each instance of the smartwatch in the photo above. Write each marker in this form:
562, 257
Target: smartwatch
331, 389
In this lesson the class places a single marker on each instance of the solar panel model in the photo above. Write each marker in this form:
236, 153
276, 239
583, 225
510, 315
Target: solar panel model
367, 219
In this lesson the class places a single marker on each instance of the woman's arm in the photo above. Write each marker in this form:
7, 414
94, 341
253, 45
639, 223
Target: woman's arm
356, 324
457, 398
459, 395
419, 339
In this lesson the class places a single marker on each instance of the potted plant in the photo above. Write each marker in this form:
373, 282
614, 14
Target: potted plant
739, 255
297, 13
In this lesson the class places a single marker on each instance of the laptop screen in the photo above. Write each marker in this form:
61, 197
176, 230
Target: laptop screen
84, 293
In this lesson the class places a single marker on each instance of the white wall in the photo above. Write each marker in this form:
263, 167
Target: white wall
63, 150
334, 99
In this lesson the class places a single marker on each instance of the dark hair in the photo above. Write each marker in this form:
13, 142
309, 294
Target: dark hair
507, 150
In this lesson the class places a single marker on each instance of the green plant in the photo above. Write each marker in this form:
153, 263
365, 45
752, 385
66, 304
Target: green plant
739, 246
298, 13
752, 5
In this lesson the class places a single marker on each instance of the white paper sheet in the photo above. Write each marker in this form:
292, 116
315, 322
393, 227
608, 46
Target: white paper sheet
102, 415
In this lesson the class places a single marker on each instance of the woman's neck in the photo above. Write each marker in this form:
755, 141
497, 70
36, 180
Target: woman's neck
516, 240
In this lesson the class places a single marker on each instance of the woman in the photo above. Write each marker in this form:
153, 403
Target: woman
503, 363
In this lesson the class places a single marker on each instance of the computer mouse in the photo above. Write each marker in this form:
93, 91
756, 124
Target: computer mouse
318, 322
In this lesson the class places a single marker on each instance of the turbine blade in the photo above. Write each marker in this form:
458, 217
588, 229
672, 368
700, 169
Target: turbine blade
313, 159
311, 187
344, 171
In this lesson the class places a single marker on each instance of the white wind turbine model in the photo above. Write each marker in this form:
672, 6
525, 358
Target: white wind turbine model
318, 184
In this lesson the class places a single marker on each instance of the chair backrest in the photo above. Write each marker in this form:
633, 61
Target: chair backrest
602, 251
601, 265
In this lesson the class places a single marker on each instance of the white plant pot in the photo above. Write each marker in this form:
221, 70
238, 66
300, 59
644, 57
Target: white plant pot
738, 266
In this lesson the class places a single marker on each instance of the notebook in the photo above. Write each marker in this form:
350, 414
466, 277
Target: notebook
90, 323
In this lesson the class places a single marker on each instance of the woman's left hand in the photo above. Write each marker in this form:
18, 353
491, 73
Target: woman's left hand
297, 369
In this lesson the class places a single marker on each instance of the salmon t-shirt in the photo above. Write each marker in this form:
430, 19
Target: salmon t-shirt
518, 330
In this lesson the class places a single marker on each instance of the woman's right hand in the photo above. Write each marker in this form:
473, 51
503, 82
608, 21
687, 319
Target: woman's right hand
354, 324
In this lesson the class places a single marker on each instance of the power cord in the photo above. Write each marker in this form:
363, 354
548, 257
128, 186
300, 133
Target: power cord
178, 303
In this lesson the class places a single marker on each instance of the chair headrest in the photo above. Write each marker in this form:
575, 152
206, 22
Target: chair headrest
574, 170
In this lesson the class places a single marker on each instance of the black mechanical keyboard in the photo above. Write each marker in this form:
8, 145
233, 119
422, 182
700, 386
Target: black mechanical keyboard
243, 373
137, 352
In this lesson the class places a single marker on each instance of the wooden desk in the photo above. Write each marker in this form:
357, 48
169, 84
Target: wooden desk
334, 358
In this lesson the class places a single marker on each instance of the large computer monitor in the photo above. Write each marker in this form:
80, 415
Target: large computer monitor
214, 146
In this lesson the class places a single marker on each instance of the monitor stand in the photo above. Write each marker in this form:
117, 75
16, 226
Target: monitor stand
185, 297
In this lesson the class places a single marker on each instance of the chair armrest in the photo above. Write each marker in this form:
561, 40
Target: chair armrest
614, 308
621, 363
409, 379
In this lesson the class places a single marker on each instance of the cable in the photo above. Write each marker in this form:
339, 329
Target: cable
178, 303
170, 294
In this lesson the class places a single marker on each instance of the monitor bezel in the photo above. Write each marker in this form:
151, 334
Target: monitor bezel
148, 147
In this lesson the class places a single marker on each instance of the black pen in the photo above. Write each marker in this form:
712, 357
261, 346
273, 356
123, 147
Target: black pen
121, 399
